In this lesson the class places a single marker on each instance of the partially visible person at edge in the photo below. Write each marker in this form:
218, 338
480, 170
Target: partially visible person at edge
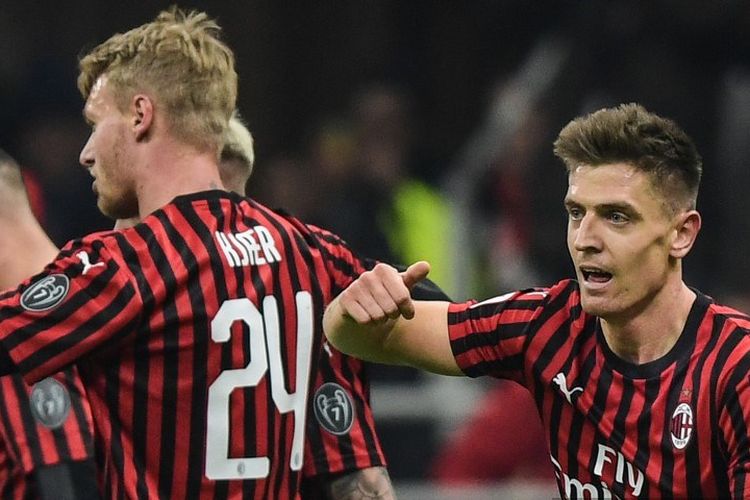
641, 381
343, 455
46, 429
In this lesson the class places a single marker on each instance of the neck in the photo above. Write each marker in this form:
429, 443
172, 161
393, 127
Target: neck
650, 333
174, 169
25, 253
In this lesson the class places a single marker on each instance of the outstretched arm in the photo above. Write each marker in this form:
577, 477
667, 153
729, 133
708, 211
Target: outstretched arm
375, 319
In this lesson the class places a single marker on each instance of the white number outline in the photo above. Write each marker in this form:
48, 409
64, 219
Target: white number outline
264, 341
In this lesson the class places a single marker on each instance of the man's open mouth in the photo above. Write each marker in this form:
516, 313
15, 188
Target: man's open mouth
594, 275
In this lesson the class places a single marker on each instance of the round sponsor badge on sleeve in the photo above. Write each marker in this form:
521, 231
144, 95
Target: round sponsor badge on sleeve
50, 403
334, 409
46, 293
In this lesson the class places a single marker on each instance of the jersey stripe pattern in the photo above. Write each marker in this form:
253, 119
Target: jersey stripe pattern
341, 427
196, 333
676, 427
42, 425
341, 435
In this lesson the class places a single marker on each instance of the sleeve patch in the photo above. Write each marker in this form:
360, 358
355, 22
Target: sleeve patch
46, 293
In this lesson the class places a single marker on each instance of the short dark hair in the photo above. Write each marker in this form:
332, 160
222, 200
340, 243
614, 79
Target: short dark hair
630, 134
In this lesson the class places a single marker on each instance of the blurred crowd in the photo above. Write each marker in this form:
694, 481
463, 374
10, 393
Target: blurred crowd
423, 130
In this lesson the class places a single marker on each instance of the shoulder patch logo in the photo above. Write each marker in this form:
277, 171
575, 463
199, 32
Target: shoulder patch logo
46, 293
50, 403
681, 426
334, 409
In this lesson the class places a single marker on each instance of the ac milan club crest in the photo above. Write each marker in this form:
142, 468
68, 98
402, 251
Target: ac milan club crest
681, 426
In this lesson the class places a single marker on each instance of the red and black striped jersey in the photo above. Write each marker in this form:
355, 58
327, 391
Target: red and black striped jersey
341, 434
43, 426
196, 333
676, 427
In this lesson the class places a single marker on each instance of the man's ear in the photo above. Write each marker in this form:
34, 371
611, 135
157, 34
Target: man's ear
688, 226
142, 108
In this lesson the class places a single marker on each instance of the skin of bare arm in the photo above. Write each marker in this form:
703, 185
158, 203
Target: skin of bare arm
376, 319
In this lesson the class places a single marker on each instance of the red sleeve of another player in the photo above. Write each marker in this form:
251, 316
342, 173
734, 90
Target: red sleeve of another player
47, 423
83, 300
341, 432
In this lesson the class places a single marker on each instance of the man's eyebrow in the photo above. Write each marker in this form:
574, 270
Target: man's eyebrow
604, 207
622, 207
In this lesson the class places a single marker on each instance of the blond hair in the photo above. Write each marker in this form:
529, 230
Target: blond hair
238, 144
179, 59
237, 156
630, 134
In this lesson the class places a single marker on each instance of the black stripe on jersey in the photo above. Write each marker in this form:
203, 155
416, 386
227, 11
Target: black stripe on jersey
112, 396
603, 387
643, 452
344, 441
556, 339
295, 287
718, 452
83, 330
170, 353
693, 469
492, 337
368, 436
628, 390
538, 367
666, 480
5, 416
200, 346
251, 439
199, 401
221, 488
79, 412
27, 419
313, 432
305, 242
141, 362
578, 420
339, 264
732, 404
64, 310
61, 440
729, 400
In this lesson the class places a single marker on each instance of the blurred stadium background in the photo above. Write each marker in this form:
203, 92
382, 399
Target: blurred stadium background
424, 129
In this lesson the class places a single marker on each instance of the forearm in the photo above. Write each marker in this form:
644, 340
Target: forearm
421, 342
370, 483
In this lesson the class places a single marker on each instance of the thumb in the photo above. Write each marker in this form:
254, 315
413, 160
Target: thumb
415, 273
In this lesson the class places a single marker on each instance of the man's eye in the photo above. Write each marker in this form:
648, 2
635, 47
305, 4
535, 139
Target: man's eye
575, 213
618, 218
